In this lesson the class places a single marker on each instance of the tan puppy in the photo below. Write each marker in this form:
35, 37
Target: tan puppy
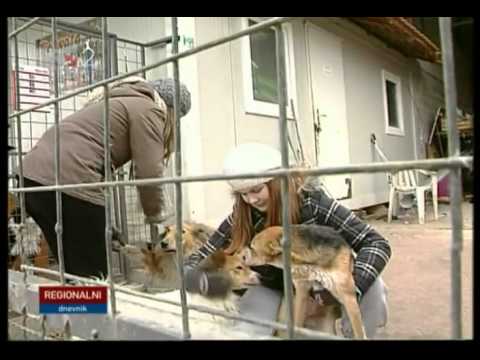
194, 235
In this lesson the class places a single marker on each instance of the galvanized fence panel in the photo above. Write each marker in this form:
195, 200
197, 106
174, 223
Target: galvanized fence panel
454, 162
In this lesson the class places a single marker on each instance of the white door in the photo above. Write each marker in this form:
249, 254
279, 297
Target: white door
328, 99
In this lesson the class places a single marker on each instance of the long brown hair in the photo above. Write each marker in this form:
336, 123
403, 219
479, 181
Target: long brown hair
168, 135
243, 227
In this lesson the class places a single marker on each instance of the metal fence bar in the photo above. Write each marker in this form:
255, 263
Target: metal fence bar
123, 208
265, 323
79, 29
67, 275
116, 205
23, 214
113, 42
108, 165
282, 124
455, 176
58, 193
143, 61
120, 191
433, 164
88, 32
10, 104
167, 60
23, 27
162, 41
178, 186
455, 161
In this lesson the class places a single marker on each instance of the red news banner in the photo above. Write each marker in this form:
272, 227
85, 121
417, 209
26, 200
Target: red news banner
73, 299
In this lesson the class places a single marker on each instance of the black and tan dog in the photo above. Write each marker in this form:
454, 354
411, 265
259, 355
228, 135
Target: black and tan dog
318, 255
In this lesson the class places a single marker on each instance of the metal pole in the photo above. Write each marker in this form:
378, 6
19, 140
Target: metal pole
23, 214
58, 193
123, 208
11, 131
114, 54
455, 174
178, 186
88, 32
142, 59
162, 41
116, 207
154, 235
433, 164
23, 27
108, 164
122, 218
282, 102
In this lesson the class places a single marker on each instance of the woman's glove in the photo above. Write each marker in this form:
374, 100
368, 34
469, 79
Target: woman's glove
209, 284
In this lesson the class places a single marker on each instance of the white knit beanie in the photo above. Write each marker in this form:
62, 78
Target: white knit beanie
250, 157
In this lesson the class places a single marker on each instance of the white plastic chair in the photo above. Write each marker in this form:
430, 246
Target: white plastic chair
406, 182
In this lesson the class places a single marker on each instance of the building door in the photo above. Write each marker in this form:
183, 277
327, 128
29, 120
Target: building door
324, 51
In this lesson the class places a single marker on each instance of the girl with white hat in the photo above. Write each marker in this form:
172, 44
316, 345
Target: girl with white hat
258, 205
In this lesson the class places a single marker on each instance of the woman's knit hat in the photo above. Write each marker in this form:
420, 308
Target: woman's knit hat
250, 157
166, 89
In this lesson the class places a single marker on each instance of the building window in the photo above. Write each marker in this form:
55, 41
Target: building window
392, 97
264, 65
260, 70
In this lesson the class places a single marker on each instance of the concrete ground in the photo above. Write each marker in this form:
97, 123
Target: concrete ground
418, 275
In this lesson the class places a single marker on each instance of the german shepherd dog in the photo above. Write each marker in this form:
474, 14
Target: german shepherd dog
318, 255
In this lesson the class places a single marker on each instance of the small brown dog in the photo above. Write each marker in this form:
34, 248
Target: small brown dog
318, 255
194, 235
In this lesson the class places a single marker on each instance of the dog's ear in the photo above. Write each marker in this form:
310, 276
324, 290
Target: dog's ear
201, 232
